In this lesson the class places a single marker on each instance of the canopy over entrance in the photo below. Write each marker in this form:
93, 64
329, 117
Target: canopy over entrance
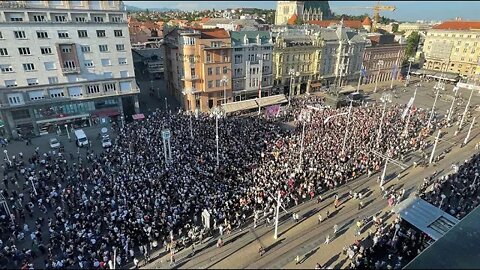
426, 217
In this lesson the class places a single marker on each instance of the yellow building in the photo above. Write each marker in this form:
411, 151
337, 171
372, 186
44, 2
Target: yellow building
453, 46
299, 52
197, 63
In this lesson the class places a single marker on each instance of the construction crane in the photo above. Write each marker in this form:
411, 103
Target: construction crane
376, 12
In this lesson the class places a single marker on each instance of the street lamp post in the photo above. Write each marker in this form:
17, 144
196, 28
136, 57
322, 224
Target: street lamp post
469, 131
385, 98
435, 146
191, 129
466, 109
450, 111
68, 134
217, 112
275, 236
410, 60
304, 117
438, 86
380, 64
224, 80
405, 132
8, 158
475, 180
166, 106
346, 127
123, 121
441, 201
291, 73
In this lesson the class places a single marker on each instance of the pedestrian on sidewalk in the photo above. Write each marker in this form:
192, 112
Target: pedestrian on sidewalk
318, 266
335, 229
320, 218
327, 239
297, 259
319, 199
135, 262
328, 214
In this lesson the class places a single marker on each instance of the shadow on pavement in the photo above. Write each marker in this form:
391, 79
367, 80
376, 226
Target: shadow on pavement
267, 249
331, 260
309, 254
340, 264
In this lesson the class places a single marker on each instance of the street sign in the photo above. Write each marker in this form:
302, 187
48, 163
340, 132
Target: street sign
166, 134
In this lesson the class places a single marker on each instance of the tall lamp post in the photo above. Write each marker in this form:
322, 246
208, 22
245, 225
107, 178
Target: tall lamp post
224, 80
409, 108
305, 116
386, 98
466, 107
380, 65
346, 127
8, 158
291, 73
217, 112
410, 60
450, 111
438, 86
68, 134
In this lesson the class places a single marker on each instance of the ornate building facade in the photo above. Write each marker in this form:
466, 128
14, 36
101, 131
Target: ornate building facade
305, 10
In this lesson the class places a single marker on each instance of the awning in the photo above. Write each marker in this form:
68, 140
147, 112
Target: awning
63, 118
138, 116
426, 217
271, 100
423, 71
347, 89
108, 112
239, 105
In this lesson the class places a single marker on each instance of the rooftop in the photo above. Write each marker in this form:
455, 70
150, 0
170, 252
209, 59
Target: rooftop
346, 23
458, 25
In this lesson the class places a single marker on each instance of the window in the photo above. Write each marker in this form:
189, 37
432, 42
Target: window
122, 61
101, 33
36, 95
85, 48
66, 49
52, 80
42, 34
192, 72
91, 89
62, 34
103, 48
1, 36
109, 87
19, 34
28, 67
16, 18
10, 83
106, 62
217, 83
6, 68
209, 71
97, 19
88, 63
69, 64
46, 50
80, 19
3, 52
60, 18
55, 93
107, 75
238, 59
14, 99
39, 18
24, 51
32, 81
225, 70
50, 65
209, 59
118, 33
82, 33
124, 73
210, 84
120, 47
116, 19
216, 44
217, 70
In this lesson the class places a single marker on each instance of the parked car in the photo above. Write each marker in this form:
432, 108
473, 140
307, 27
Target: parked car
54, 143
106, 142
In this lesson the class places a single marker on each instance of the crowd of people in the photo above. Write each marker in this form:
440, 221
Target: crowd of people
82, 209
456, 193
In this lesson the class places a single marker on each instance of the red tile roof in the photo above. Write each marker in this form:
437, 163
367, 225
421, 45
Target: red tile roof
214, 33
367, 21
292, 19
204, 20
346, 23
458, 25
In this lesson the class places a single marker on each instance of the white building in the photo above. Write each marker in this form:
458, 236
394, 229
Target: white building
252, 64
64, 63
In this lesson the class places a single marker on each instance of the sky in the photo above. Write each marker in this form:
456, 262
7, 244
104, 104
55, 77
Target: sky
406, 10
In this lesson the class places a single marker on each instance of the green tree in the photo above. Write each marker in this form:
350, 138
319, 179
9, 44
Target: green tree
394, 28
412, 44
299, 21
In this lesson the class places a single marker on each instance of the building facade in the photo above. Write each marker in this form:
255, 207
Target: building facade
64, 64
391, 54
197, 61
305, 10
453, 46
252, 64
296, 50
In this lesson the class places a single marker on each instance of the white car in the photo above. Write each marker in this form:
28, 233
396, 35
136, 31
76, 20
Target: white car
106, 142
54, 143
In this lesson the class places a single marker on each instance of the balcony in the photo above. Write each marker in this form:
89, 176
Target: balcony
70, 70
190, 91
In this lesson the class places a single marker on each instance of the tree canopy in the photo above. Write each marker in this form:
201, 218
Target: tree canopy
412, 44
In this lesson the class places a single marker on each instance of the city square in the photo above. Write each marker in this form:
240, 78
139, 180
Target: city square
182, 162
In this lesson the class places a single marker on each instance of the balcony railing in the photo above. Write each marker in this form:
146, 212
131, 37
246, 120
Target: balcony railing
190, 78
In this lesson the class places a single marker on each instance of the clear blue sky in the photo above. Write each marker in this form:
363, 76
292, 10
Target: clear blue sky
406, 10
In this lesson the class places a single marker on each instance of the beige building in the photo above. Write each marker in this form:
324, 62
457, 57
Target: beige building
305, 10
409, 28
453, 46
197, 61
